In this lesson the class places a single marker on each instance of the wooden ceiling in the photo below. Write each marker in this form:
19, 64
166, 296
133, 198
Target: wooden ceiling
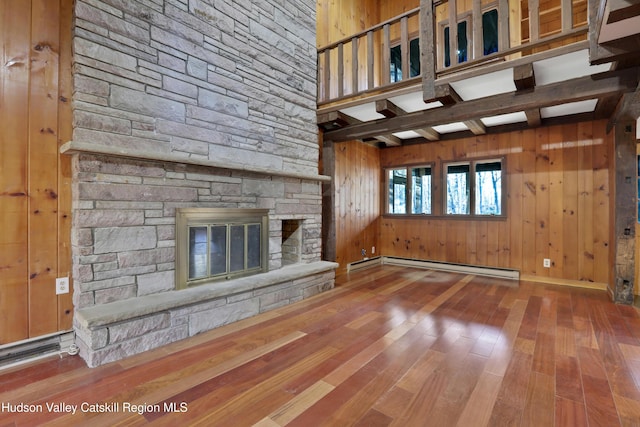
616, 91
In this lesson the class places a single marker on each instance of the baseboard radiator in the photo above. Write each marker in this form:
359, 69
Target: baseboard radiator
502, 273
36, 348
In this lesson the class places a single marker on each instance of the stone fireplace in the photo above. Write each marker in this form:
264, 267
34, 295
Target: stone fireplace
184, 106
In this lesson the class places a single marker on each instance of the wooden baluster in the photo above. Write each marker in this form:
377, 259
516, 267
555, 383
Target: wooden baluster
503, 25
354, 66
534, 21
453, 32
567, 15
404, 47
340, 70
370, 60
476, 17
386, 55
326, 77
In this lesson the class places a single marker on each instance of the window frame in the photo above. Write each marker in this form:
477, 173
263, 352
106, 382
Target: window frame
408, 189
397, 44
199, 217
468, 17
472, 187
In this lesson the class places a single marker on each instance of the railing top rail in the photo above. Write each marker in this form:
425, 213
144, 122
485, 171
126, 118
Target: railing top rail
363, 33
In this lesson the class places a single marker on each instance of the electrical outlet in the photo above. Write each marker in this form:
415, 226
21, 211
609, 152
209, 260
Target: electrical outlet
373, 250
546, 263
62, 285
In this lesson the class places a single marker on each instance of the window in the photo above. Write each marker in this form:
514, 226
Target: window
458, 189
414, 61
397, 197
484, 177
490, 31
461, 45
412, 197
421, 190
218, 244
488, 188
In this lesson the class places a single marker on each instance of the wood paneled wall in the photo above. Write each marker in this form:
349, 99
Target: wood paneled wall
557, 204
35, 181
357, 201
338, 19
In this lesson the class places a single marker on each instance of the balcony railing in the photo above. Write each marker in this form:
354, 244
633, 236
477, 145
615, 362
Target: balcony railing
381, 57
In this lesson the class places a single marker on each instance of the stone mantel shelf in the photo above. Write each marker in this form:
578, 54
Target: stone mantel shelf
100, 315
79, 147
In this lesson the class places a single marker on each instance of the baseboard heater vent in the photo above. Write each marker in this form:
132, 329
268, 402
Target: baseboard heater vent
502, 273
32, 349
365, 263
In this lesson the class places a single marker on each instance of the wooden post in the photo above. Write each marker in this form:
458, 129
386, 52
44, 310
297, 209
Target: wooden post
328, 202
625, 203
427, 50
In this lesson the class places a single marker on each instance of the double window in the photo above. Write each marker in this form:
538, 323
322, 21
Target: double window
474, 188
214, 244
471, 188
396, 61
409, 190
462, 44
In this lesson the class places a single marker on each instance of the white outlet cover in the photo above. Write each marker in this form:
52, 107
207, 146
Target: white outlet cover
62, 285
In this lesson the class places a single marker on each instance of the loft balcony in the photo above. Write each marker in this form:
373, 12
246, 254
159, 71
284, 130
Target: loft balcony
504, 65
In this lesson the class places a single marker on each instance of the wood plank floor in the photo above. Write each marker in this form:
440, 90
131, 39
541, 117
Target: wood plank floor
388, 347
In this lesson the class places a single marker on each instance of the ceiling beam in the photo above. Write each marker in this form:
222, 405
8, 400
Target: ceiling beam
446, 94
429, 133
524, 77
534, 118
622, 9
389, 140
579, 89
476, 127
335, 119
388, 108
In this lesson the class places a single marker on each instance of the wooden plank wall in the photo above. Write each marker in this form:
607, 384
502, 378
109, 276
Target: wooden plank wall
35, 190
557, 205
336, 20
357, 200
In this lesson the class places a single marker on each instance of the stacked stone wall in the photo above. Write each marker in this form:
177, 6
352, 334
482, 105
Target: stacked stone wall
188, 103
124, 220
226, 80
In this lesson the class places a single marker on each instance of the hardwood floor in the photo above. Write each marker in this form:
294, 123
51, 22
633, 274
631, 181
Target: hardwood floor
389, 346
